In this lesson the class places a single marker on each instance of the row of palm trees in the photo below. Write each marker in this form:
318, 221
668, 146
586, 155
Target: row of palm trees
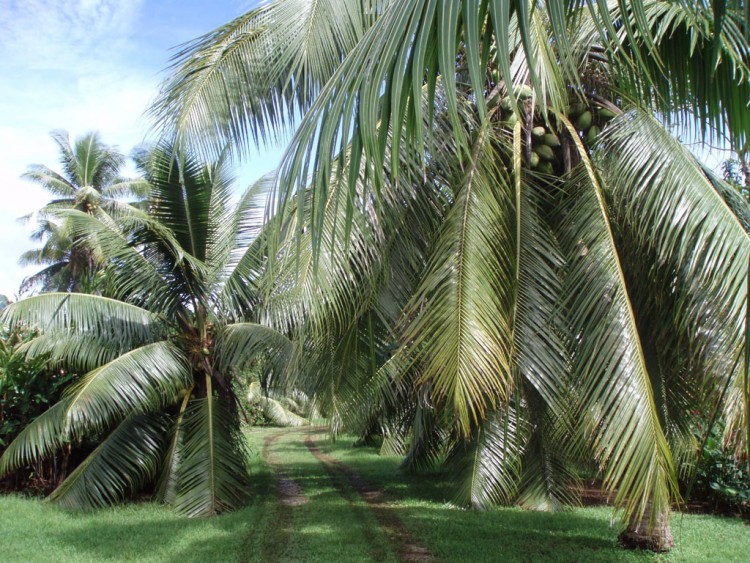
484, 245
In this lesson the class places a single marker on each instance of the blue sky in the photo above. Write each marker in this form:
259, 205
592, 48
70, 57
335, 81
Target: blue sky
83, 65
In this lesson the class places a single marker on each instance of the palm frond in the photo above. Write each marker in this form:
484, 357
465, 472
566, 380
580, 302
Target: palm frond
211, 473
144, 379
43, 436
124, 462
616, 394
82, 313
239, 343
240, 82
490, 466
694, 227
462, 308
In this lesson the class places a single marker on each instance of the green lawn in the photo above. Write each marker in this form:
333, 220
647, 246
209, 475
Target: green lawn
332, 523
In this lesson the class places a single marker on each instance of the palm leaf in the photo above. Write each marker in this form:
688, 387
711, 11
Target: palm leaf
615, 388
462, 307
146, 378
124, 462
211, 472
43, 436
84, 313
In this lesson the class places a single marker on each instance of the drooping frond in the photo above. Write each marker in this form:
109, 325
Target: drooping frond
243, 81
239, 343
43, 436
616, 394
490, 465
124, 462
461, 310
211, 473
84, 313
693, 226
78, 352
144, 379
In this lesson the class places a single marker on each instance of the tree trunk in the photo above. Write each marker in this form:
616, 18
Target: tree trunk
643, 534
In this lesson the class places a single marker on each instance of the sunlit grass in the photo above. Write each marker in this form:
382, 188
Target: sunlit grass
336, 527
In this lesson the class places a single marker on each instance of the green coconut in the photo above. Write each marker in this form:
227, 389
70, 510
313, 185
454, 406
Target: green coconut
551, 140
535, 160
546, 168
544, 152
592, 135
511, 120
606, 114
507, 104
576, 109
584, 120
538, 132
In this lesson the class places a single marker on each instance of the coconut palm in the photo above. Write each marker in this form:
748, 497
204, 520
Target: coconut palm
492, 231
90, 182
160, 347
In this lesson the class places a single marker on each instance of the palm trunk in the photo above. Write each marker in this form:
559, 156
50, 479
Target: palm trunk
641, 533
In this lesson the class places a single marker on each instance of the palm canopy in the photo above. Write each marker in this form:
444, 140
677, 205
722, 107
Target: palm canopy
485, 265
90, 177
90, 182
159, 347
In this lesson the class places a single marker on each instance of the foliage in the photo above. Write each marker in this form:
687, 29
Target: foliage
495, 253
28, 386
90, 182
159, 347
721, 479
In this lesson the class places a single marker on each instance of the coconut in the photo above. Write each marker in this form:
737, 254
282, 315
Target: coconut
544, 152
535, 160
576, 109
538, 132
507, 104
592, 135
522, 92
584, 120
511, 120
606, 114
546, 168
551, 140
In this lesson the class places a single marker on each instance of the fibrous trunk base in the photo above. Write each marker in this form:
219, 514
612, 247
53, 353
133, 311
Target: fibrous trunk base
655, 537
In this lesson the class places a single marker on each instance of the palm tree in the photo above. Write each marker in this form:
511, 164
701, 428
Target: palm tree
492, 231
160, 347
91, 183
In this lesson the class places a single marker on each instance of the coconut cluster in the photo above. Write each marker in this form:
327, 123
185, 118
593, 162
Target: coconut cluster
546, 146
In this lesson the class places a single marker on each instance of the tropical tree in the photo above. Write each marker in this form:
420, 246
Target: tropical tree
494, 230
160, 347
91, 183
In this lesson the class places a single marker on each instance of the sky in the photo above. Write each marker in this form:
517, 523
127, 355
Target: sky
85, 65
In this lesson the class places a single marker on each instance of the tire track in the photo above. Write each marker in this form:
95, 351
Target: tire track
403, 543
289, 496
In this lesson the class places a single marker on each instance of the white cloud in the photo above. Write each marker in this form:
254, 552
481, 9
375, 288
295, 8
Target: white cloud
65, 35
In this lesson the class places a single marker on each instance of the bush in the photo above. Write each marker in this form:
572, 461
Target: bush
27, 388
721, 479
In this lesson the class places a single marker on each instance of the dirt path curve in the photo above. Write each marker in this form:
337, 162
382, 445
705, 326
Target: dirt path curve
405, 546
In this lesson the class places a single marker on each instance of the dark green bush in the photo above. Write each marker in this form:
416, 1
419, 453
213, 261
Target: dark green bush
721, 479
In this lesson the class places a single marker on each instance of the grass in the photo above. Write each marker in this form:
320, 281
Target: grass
334, 524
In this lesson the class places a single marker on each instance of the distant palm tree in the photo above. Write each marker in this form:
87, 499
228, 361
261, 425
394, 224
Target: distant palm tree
90, 182
160, 351
493, 236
